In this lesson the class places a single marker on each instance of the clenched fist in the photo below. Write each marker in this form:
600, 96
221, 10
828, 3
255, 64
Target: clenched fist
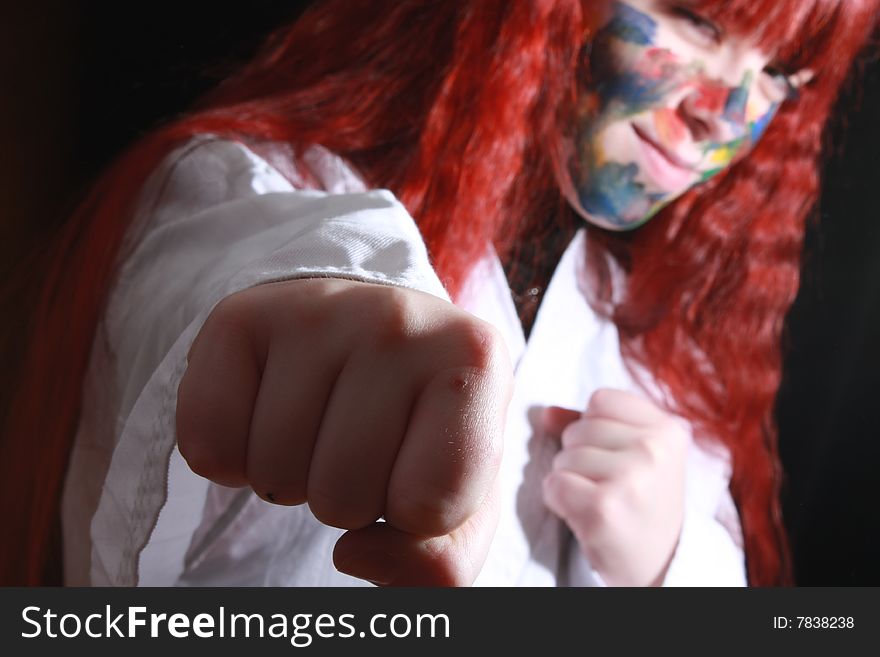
618, 482
364, 401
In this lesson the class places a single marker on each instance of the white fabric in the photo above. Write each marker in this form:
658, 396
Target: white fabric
215, 219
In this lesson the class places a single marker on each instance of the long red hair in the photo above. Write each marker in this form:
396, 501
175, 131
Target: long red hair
461, 107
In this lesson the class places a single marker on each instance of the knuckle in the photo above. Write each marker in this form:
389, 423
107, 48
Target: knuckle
288, 491
575, 434
336, 508
228, 329
563, 460
477, 343
425, 509
478, 347
193, 443
232, 316
601, 399
193, 452
304, 307
204, 460
208, 455
298, 307
398, 319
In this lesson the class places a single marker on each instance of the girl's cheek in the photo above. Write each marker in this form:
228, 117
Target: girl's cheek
760, 121
736, 107
757, 120
644, 80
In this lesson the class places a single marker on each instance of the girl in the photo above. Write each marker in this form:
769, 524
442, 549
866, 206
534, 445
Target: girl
239, 320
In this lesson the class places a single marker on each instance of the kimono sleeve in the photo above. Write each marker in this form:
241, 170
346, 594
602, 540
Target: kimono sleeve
215, 219
710, 547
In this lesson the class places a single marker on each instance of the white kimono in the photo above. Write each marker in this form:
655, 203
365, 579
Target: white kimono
216, 218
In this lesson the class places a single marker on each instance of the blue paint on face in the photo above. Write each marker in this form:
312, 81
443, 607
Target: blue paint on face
632, 26
735, 108
614, 194
634, 91
760, 126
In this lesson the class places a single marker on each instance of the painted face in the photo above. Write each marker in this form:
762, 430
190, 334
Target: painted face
673, 99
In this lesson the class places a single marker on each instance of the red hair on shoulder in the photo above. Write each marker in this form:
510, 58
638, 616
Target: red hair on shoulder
460, 107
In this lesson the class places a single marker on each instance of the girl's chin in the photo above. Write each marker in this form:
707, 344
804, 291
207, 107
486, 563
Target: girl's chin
615, 223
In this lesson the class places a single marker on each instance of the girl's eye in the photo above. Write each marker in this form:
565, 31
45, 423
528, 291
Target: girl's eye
699, 28
778, 85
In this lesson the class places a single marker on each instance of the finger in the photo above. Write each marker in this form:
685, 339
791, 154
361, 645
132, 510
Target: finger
593, 463
571, 497
215, 398
625, 407
450, 454
359, 438
389, 557
555, 419
600, 432
452, 448
287, 416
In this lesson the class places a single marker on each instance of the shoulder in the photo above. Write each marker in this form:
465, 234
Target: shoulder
207, 171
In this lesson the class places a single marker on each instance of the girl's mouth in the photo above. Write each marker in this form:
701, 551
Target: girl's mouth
663, 166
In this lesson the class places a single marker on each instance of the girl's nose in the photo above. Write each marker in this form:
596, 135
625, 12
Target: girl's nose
713, 111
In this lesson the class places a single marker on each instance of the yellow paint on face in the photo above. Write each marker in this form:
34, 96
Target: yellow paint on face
600, 157
723, 155
754, 112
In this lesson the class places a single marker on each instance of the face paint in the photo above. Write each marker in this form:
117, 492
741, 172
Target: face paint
617, 194
632, 26
746, 128
735, 109
657, 117
759, 124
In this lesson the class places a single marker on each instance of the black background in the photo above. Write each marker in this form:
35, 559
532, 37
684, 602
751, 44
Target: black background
81, 80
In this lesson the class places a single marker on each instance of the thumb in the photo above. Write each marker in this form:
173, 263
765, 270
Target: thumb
556, 419
387, 556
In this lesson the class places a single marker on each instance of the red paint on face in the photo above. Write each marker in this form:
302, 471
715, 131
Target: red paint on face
659, 63
710, 97
671, 130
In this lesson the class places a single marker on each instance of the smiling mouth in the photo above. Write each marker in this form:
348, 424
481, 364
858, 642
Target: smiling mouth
666, 153
662, 165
